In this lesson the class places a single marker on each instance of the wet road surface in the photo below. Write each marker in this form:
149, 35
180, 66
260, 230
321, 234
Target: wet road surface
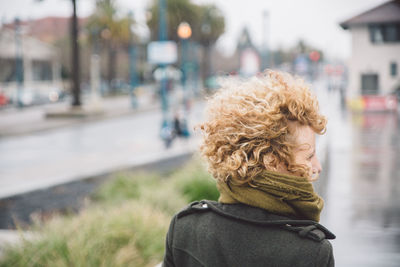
362, 193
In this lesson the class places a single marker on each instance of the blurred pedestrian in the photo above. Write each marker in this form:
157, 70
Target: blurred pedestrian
180, 125
259, 141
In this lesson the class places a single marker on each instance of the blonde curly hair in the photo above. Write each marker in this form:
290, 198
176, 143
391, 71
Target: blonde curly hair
249, 126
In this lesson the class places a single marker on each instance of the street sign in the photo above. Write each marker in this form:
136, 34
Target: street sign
301, 64
162, 52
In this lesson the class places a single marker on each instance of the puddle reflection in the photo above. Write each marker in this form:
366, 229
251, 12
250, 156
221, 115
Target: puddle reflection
363, 192
374, 178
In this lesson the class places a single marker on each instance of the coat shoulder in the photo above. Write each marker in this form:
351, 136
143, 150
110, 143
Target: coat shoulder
199, 231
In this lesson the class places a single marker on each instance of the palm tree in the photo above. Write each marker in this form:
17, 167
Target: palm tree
112, 30
206, 21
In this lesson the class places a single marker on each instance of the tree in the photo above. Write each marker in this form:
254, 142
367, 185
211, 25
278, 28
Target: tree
113, 31
206, 21
177, 11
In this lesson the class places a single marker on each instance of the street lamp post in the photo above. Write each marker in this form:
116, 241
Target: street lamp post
184, 33
265, 50
162, 36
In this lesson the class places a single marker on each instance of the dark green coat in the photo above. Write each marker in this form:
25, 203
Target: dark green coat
208, 233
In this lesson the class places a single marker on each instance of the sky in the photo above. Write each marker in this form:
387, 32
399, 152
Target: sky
314, 21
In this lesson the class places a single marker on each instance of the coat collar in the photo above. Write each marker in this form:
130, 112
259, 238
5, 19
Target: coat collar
258, 216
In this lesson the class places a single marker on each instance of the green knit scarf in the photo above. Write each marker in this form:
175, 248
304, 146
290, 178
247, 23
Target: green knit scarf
278, 193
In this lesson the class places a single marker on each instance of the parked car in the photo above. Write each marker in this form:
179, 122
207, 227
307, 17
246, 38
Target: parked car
31, 96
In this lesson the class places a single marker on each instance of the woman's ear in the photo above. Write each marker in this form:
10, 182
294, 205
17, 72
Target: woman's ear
271, 163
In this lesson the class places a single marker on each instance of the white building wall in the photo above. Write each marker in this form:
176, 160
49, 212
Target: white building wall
32, 49
30, 46
368, 57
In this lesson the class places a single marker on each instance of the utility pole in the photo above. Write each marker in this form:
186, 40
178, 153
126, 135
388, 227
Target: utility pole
18, 62
162, 36
132, 63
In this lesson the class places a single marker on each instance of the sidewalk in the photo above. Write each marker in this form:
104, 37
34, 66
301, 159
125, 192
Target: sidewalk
15, 122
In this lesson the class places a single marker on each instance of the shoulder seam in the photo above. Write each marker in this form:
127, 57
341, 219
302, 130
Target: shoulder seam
321, 247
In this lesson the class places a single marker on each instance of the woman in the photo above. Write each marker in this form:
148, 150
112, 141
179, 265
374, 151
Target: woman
259, 142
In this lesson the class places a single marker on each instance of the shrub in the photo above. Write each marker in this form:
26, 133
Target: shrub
125, 186
150, 188
170, 194
195, 183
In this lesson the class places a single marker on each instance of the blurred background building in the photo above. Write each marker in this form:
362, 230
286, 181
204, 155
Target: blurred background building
29, 67
375, 56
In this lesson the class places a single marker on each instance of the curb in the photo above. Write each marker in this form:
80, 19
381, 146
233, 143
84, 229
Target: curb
13, 238
70, 195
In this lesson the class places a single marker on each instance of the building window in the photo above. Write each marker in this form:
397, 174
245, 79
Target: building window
376, 34
9, 72
369, 84
384, 33
41, 70
393, 69
392, 33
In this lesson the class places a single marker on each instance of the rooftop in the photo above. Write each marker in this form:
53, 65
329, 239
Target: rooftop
388, 12
48, 29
